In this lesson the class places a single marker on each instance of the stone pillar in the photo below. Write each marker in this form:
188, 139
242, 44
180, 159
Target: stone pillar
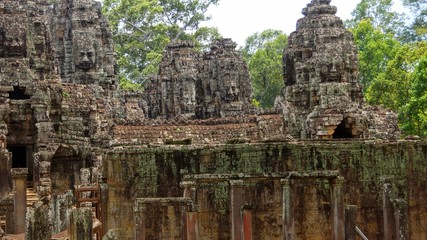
236, 205
189, 189
400, 213
80, 224
388, 216
104, 204
140, 212
190, 220
10, 219
337, 207
39, 223
4, 171
287, 211
247, 224
192, 228
350, 222
19, 178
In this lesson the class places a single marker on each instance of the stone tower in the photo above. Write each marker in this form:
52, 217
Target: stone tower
83, 44
196, 85
322, 98
177, 78
225, 87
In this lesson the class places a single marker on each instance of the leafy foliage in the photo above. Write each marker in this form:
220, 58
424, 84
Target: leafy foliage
419, 10
375, 48
392, 59
142, 29
263, 52
414, 116
380, 14
392, 88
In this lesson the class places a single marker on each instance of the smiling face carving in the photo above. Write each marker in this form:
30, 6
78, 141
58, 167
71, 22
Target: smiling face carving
84, 55
231, 91
86, 58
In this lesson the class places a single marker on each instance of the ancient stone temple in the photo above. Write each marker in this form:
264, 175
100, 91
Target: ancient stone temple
177, 80
224, 86
323, 98
82, 43
196, 85
190, 158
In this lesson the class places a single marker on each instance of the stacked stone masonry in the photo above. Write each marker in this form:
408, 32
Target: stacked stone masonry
323, 97
190, 154
197, 85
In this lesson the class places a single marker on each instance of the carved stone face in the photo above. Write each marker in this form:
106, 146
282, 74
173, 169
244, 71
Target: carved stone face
84, 54
86, 58
189, 95
85, 176
12, 46
231, 91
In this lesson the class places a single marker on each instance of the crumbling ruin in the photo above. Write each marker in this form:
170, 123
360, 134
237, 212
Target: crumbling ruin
190, 158
323, 97
195, 85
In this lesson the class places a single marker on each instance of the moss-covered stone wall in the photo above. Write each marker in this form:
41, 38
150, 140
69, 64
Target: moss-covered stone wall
157, 171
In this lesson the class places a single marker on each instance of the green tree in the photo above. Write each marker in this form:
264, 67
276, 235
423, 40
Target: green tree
142, 29
257, 40
414, 116
263, 52
392, 88
380, 14
375, 48
419, 10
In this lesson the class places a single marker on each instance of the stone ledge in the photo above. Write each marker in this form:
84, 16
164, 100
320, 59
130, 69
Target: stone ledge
16, 172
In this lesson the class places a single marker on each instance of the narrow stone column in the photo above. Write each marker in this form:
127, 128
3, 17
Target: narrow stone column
10, 219
247, 224
388, 215
140, 212
236, 205
39, 223
19, 178
287, 211
80, 224
401, 219
350, 222
191, 224
189, 189
337, 204
104, 203
4, 172
192, 228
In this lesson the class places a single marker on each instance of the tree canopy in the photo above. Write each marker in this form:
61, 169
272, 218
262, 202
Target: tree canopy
142, 29
263, 53
392, 59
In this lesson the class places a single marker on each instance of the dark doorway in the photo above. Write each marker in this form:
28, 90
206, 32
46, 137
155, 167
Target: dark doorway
342, 131
18, 93
22, 158
19, 156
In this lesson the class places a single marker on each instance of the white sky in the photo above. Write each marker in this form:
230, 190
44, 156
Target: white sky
238, 19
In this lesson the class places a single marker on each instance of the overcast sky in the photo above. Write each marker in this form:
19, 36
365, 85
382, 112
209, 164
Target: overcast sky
238, 19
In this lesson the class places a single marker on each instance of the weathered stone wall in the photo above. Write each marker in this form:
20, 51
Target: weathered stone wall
157, 172
161, 218
247, 128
